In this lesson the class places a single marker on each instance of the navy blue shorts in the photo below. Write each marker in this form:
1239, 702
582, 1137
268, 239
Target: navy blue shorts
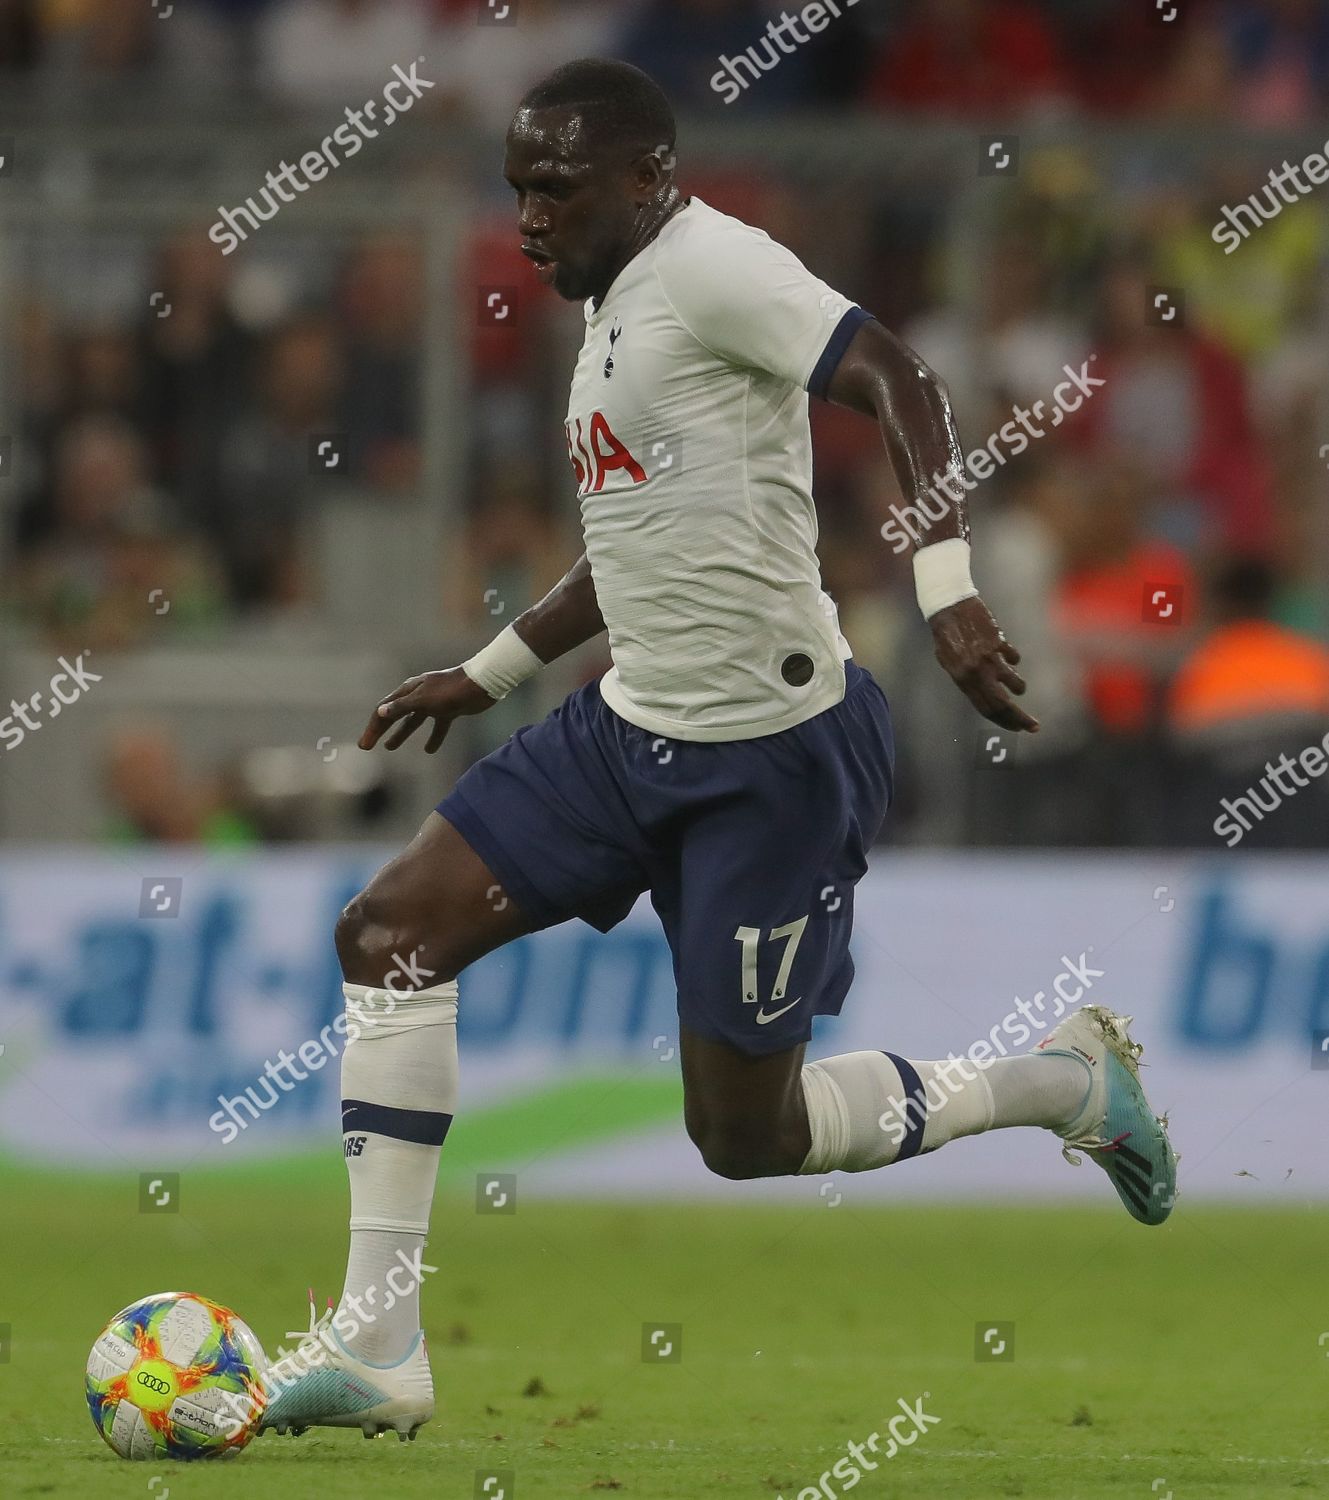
750, 848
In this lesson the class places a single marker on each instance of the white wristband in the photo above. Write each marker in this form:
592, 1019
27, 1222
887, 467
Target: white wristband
941, 575
506, 661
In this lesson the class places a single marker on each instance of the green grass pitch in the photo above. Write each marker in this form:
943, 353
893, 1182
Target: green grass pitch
1183, 1362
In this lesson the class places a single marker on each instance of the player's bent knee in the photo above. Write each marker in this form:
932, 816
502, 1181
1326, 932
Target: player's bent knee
375, 942
362, 937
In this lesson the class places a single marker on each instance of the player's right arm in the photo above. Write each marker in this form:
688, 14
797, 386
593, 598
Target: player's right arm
567, 616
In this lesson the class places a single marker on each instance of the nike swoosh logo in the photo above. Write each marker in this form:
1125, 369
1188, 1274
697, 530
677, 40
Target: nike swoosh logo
764, 1020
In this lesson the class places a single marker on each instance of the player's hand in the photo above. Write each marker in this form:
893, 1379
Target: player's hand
440, 696
982, 662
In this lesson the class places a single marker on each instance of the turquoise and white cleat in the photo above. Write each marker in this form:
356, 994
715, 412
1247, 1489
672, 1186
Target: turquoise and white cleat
1116, 1128
322, 1384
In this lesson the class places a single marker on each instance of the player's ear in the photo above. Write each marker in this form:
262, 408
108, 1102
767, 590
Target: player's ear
651, 170
644, 180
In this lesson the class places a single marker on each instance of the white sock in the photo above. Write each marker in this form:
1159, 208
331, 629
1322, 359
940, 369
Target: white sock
869, 1109
399, 1093
1025, 1091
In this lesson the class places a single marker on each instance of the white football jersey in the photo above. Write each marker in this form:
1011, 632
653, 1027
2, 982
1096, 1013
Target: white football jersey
688, 433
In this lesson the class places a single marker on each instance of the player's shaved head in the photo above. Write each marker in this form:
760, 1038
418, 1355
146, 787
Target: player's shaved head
621, 108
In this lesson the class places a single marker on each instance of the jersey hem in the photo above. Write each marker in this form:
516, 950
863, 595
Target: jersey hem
611, 690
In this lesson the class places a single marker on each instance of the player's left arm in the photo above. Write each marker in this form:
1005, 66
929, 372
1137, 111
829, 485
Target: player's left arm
882, 377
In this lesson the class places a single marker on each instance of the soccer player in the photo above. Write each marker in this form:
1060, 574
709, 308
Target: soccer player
735, 761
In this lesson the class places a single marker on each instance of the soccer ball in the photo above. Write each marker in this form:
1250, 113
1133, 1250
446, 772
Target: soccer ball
176, 1376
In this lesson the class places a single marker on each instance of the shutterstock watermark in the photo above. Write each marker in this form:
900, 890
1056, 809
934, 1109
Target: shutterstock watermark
27, 714
903, 1430
909, 523
782, 39
399, 96
1233, 825
1019, 1024
1232, 231
317, 1052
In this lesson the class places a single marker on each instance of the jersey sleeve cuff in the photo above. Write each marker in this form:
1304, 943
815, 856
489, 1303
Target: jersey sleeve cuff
820, 379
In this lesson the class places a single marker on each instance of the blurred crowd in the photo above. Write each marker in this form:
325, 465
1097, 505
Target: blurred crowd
177, 451
1161, 555
1265, 61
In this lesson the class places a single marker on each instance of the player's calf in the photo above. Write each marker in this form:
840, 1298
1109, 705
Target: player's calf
744, 1114
773, 1115
743, 1149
